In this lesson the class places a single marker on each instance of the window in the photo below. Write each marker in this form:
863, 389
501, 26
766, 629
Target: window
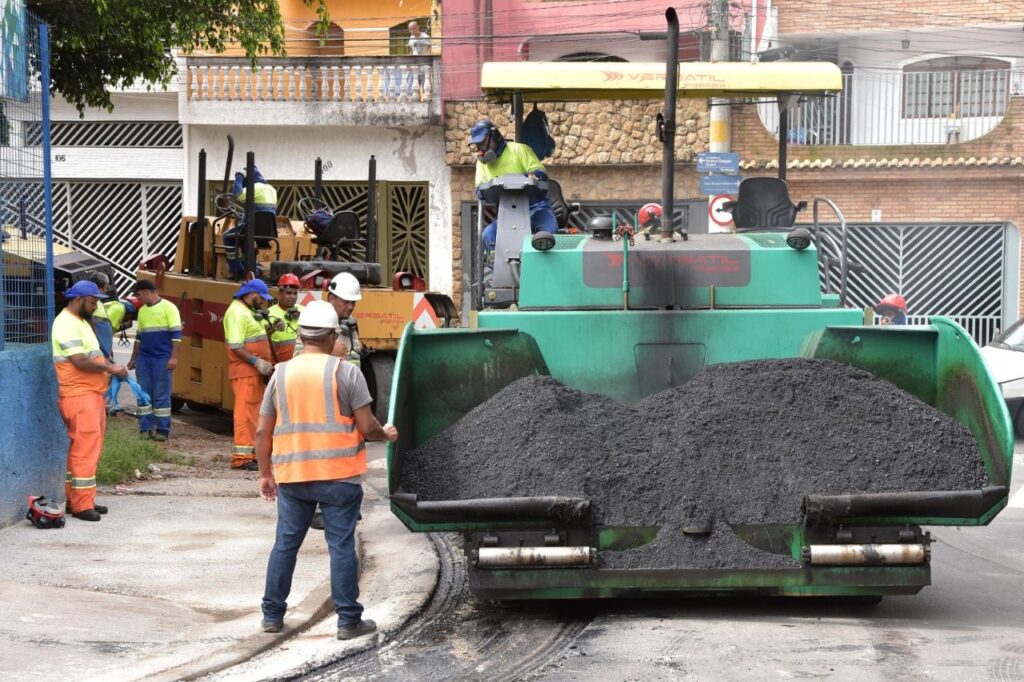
398, 36
955, 86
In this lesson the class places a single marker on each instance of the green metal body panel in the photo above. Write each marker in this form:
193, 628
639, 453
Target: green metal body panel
779, 276
581, 335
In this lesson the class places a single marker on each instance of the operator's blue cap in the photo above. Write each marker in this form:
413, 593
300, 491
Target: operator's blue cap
478, 133
254, 285
84, 288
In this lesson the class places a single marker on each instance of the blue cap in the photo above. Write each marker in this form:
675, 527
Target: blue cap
478, 133
84, 288
254, 285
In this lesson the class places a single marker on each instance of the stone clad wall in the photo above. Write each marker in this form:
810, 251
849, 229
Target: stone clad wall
587, 133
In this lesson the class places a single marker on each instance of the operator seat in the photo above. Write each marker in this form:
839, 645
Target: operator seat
562, 209
343, 229
763, 203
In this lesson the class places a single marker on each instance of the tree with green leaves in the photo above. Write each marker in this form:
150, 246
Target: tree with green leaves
102, 45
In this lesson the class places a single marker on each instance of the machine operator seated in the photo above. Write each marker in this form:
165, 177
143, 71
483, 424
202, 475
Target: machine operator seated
497, 157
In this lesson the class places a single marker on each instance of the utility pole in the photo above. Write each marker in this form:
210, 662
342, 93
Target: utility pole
721, 115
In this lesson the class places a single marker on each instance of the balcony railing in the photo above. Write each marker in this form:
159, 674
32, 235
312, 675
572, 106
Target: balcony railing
901, 108
324, 79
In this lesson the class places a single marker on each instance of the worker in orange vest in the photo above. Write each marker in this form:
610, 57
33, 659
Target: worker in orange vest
248, 348
81, 383
319, 456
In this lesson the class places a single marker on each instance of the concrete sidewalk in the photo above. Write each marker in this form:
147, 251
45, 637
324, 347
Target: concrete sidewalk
168, 586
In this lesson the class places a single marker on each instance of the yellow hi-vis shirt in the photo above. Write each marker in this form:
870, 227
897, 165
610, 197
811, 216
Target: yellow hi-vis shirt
517, 158
73, 336
291, 327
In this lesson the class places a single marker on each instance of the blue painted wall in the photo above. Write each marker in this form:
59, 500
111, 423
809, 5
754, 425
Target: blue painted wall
33, 441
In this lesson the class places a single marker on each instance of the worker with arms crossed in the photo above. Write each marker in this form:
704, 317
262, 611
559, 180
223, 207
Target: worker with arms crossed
497, 157
249, 358
284, 317
311, 450
81, 382
155, 357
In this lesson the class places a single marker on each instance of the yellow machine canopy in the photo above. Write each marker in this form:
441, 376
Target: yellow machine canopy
561, 81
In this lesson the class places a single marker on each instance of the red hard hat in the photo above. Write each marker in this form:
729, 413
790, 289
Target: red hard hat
893, 301
134, 300
288, 280
647, 213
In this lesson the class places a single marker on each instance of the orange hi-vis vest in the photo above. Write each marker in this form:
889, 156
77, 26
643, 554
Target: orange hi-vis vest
313, 440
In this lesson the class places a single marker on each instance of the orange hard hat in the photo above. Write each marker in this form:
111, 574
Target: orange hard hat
288, 280
892, 302
647, 213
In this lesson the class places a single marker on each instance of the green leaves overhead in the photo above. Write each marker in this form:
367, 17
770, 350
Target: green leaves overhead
102, 45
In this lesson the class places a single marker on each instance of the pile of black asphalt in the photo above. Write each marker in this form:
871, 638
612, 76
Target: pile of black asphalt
740, 443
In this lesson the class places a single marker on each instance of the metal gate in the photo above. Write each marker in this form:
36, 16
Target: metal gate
967, 272
403, 218
117, 222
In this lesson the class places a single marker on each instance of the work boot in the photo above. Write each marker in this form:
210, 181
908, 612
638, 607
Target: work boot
87, 515
317, 522
353, 630
271, 625
100, 509
250, 466
159, 436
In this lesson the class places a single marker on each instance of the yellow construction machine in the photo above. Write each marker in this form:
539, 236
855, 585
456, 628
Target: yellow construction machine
200, 285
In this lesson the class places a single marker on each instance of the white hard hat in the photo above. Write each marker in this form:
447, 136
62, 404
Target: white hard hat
318, 315
346, 287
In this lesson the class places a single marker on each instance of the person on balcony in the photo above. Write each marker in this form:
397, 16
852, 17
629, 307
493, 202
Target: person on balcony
419, 45
265, 197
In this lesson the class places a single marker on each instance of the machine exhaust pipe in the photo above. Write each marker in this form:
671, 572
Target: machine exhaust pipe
866, 555
667, 128
534, 557
250, 212
197, 239
371, 212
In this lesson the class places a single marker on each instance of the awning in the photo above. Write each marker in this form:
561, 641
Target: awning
561, 81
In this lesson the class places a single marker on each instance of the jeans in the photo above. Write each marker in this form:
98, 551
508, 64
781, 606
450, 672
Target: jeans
155, 379
392, 80
421, 79
296, 502
542, 218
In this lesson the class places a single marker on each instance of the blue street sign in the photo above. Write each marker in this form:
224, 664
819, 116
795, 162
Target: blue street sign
719, 184
718, 162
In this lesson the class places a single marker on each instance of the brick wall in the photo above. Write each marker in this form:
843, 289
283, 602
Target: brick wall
822, 16
957, 193
928, 195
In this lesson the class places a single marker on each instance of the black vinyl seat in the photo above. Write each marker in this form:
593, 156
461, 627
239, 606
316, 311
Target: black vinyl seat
264, 230
763, 203
343, 229
562, 209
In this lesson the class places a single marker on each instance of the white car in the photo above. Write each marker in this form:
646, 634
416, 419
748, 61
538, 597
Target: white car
1004, 357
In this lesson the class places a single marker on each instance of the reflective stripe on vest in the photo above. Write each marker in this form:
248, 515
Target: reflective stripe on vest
313, 440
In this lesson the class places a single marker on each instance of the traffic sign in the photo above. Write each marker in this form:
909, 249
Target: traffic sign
718, 162
718, 215
719, 184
